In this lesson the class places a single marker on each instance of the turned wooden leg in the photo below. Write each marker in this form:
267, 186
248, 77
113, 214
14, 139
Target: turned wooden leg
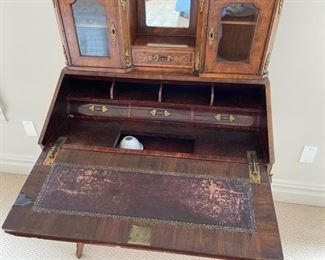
80, 248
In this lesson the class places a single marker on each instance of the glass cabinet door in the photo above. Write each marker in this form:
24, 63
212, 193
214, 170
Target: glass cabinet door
91, 28
237, 33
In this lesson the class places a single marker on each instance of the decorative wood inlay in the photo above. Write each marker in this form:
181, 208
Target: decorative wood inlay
202, 5
221, 117
197, 61
127, 60
65, 55
123, 4
145, 57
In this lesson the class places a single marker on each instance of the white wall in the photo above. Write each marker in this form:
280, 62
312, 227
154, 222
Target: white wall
297, 73
31, 59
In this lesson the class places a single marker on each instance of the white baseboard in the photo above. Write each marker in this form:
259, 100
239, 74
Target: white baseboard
299, 193
17, 164
283, 190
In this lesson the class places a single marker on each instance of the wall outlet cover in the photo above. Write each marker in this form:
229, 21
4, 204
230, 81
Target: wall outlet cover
308, 154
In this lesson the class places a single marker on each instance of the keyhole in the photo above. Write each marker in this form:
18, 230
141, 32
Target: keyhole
211, 35
113, 31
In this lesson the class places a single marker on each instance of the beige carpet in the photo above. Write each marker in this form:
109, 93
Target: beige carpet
302, 230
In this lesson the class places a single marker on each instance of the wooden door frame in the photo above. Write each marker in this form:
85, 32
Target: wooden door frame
70, 38
266, 9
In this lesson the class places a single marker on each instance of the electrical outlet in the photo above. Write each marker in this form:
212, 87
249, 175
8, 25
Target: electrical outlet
308, 154
29, 128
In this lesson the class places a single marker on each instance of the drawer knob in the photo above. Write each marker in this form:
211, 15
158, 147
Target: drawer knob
167, 58
156, 112
94, 108
220, 117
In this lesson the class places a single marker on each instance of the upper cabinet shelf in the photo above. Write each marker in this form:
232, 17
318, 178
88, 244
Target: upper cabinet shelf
208, 38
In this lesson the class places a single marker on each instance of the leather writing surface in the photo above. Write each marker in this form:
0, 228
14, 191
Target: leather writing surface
197, 200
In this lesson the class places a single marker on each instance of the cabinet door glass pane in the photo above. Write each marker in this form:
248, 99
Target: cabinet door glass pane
238, 29
91, 25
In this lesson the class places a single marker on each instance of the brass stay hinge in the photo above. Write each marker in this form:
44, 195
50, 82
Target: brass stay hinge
51, 156
253, 167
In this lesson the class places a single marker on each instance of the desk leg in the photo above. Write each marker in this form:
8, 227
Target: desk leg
80, 248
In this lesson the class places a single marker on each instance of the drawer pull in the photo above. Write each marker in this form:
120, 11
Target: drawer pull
155, 112
167, 58
98, 108
220, 117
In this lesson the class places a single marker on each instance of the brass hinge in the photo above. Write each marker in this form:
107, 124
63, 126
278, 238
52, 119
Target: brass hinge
140, 235
123, 4
253, 167
202, 2
281, 3
266, 64
51, 155
127, 60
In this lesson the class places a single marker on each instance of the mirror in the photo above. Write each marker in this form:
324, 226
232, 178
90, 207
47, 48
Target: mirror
168, 13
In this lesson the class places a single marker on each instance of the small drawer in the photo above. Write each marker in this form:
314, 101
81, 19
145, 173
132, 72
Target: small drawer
102, 110
165, 58
219, 118
161, 114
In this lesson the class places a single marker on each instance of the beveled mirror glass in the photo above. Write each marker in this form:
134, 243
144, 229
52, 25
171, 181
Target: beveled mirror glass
168, 13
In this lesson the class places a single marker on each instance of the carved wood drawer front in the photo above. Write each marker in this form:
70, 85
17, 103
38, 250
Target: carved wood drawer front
220, 118
161, 114
94, 109
166, 58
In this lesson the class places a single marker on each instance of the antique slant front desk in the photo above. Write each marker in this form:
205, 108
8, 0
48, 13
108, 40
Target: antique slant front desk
186, 84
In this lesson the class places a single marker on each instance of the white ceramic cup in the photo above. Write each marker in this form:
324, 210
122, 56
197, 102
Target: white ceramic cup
130, 142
